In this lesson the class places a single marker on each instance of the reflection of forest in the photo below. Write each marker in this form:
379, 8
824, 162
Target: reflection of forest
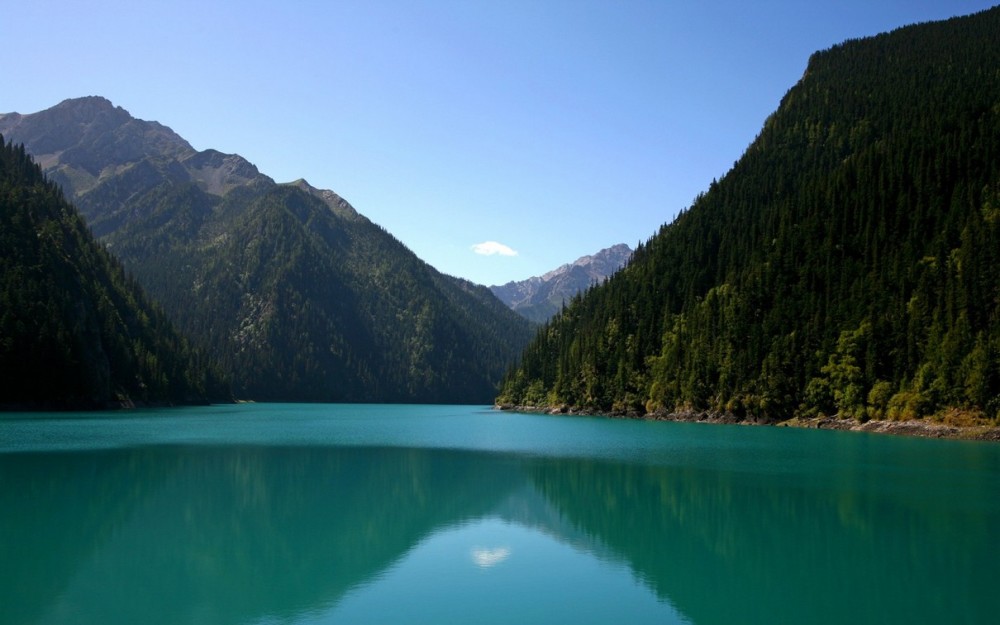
731, 547
230, 535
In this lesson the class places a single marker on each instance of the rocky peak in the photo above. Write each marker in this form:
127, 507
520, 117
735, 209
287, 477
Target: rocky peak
88, 107
81, 120
217, 173
337, 204
598, 266
81, 140
540, 297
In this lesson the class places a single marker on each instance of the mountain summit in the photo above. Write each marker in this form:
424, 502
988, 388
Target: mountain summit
298, 296
84, 143
540, 297
81, 141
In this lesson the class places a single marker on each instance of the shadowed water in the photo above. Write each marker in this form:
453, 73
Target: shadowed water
417, 514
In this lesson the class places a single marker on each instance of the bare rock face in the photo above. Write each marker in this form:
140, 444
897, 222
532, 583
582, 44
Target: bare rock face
80, 142
83, 143
218, 173
540, 297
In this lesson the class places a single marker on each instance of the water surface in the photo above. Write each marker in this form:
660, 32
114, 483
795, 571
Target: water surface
441, 514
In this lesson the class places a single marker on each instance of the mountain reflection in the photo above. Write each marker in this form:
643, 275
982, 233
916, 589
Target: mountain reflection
235, 535
224, 535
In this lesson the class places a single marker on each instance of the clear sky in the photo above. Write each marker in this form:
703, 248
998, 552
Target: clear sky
538, 130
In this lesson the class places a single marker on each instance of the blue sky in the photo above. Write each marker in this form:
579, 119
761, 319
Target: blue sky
539, 131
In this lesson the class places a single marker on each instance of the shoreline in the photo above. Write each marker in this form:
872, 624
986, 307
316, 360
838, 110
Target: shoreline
912, 427
80, 405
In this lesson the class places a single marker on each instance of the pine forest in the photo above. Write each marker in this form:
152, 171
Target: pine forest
848, 264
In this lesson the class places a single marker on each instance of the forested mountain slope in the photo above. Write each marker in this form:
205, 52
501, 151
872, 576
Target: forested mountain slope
848, 263
74, 331
298, 296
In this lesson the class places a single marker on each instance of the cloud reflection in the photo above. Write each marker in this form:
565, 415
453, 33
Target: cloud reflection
486, 558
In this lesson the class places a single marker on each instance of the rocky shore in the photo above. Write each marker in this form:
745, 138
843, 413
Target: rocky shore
914, 427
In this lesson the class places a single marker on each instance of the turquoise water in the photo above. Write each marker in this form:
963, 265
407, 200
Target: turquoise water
267, 514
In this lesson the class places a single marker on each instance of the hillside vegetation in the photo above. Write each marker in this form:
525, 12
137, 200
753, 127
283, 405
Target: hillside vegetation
848, 263
300, 303
292, 291
75, 332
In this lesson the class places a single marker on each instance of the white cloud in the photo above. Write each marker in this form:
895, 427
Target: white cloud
491, 248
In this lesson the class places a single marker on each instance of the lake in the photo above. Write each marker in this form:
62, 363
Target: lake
311, 514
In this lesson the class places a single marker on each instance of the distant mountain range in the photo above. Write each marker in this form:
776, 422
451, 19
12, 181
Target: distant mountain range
295, 294
540, 297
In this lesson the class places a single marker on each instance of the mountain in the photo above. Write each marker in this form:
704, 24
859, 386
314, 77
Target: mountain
75, 332
297, 295
540, 297
848, 263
